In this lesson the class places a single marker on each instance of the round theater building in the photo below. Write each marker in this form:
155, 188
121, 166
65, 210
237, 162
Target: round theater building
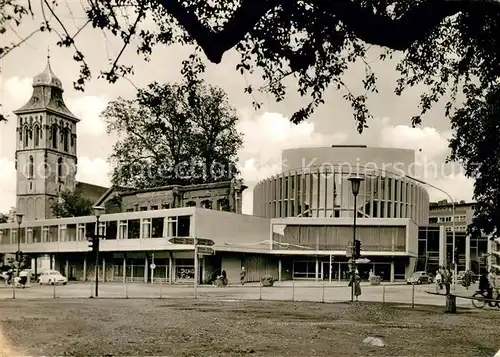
311, 208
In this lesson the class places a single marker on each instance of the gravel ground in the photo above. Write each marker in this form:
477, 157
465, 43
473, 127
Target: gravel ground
246, 328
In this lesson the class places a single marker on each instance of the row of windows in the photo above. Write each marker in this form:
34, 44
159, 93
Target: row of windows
31, 168
329, 195
387, 210
457, 229
447, 219
57, 136
394, 187
126, 229
221, 205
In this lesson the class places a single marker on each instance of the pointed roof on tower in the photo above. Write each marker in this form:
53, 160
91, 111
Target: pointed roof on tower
47, 95
47, 77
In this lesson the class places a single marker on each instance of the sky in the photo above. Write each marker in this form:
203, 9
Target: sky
266, 132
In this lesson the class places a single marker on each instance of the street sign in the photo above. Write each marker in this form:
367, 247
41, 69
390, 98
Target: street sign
190, 241
362, 261
207, 242
182, 240
205, 250
152, 266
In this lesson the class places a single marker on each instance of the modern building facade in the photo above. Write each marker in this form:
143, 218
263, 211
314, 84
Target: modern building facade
472, 251
302, 232
311, 208
135, 240
441, 214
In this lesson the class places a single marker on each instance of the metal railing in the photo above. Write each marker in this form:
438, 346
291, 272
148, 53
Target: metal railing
320, 291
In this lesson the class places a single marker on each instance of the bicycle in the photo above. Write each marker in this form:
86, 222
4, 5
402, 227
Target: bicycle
479, 304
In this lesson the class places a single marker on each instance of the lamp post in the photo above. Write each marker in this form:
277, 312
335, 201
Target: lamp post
98, 210
19, 220
355, 184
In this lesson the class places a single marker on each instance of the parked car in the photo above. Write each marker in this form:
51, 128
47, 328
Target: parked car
52, 277
419, 277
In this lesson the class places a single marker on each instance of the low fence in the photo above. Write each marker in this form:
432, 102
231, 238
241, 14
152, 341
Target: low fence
288, 291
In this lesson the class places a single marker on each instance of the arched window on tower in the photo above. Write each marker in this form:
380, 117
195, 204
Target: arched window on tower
36, 131
26, 136
31, 168
65, 139
54, 136
59, 169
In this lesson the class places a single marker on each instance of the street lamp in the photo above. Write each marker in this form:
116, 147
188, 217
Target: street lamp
98, 210
355, 185
19, 220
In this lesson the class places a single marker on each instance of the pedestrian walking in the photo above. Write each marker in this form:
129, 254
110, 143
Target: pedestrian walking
243, 275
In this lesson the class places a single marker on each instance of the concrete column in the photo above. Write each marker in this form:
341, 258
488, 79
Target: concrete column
146, 270
124, 269
103, 279
467, 252
203, 273
85, 267
170, 270
35, 267
391, 275
442, 246
66, 268
279, 269
339, 273
317, 269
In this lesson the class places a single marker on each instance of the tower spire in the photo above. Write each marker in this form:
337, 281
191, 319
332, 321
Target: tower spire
48, 55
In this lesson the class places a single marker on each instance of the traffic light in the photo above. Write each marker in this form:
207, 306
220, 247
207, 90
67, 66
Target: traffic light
456, 256
357, 249
93, 243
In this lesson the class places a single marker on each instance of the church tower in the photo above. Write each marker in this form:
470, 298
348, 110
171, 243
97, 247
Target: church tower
46, 148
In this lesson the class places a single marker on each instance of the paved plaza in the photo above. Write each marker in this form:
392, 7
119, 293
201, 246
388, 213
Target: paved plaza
284, 291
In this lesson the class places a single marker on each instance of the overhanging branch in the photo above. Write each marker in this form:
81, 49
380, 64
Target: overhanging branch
372, 28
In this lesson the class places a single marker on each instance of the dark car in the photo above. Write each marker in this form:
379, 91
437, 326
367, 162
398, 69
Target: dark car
419, 277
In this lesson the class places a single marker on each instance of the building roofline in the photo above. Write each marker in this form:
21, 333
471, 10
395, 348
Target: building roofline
182, 188
449, 204
108, 192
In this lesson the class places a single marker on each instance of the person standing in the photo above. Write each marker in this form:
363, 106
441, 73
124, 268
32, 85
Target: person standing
223, 275
447, 278
357, 285
243, 275
370, 275
439, 281
23, 277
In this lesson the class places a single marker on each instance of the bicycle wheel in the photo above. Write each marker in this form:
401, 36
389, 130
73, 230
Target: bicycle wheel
478, 304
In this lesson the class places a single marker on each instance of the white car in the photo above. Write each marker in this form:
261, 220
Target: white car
52, 277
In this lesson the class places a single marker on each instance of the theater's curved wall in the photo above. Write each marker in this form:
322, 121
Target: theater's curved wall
314, 183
